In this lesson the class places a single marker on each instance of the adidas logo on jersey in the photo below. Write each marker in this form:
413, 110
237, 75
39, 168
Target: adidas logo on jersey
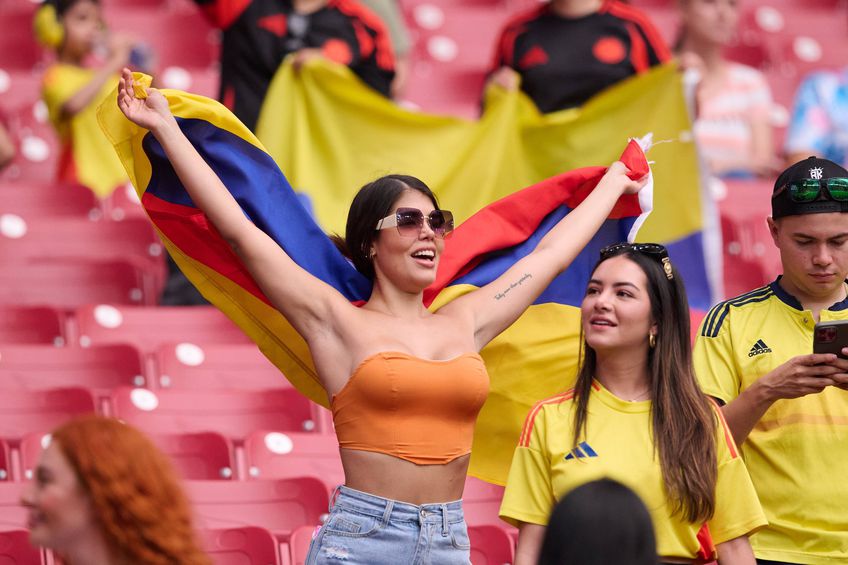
759, 348
582, 450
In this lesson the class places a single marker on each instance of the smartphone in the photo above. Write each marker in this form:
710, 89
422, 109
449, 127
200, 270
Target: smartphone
831, 337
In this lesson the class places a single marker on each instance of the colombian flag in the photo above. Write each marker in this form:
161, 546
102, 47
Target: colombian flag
331, 134
533, 359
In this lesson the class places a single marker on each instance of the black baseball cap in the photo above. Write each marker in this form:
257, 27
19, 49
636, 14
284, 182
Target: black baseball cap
811, 168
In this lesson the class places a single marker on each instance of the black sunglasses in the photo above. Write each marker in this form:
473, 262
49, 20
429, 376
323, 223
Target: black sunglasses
409, 222
653, 250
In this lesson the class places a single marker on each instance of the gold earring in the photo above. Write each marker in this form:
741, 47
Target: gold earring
652, 340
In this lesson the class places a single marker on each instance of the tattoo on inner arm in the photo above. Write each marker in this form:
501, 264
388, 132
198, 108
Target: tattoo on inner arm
516, 284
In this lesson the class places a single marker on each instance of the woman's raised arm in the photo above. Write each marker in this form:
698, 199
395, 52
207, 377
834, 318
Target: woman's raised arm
497, 305
305, 300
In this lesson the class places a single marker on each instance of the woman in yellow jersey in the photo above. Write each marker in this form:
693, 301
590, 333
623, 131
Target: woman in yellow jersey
74, 86
636, 415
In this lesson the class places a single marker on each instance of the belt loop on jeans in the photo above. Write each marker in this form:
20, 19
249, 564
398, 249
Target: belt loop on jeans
387, 513
333, 498
444, 508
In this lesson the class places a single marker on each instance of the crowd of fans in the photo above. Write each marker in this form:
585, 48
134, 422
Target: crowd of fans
720, 442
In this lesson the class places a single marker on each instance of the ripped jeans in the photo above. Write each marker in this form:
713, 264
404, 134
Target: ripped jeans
364, 529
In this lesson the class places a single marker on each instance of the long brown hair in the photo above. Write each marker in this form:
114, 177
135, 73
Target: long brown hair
135, 494
683, 423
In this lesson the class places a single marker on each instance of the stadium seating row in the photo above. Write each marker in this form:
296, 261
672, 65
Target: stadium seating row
251, 545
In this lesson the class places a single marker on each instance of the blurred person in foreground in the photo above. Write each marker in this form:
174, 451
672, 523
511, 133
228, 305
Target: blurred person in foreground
733, 101
819, 123
258, 34
786, 406
103, 494
564, 52
599, 523
636, 415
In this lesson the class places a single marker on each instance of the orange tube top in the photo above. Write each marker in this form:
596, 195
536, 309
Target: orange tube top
415, 409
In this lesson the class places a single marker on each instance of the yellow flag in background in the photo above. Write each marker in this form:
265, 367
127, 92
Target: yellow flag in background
331, 134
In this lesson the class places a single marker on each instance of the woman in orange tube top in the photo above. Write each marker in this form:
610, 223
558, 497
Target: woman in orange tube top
405, 383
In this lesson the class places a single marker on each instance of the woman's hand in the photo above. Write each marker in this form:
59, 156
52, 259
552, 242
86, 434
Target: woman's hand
617, 176
150, 113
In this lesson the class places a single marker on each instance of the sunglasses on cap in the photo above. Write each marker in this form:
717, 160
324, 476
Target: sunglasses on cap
809, 190
409, 222
653, 250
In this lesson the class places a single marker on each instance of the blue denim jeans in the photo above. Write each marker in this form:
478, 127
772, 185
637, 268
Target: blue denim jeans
364, 529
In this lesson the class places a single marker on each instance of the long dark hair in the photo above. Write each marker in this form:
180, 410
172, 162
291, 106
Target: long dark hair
372, 203
682, 419
599, 523
63, 6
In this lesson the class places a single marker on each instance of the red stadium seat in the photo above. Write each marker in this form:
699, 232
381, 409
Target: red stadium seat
200, 456
6, 471
33, 198
113, 5
20, 89
182, 39
454, 35
149, 328
750, 257
666, 19
15, 549
21, 324
69, 284
234, 414
247, 545
278, 455
13, 516
123, 203
18, 47
279, 506
30, 450
33, 238
99, 369
490, 545
36, 142
481, 502
695, 319
27, 412
299, 544
444, 90
814, 51
242, 366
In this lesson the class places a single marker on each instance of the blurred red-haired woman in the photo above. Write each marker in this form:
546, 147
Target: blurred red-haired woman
104, 494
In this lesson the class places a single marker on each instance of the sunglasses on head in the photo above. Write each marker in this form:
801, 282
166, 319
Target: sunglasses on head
653, 250
409, 222
809, 190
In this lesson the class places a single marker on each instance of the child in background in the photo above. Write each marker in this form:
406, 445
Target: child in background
75, 84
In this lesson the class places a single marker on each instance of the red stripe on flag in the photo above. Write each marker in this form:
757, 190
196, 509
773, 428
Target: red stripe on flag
190, 230
512, 219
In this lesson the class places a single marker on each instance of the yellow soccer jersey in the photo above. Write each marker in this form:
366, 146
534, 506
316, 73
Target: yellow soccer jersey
797, 454
619, 445
88, 156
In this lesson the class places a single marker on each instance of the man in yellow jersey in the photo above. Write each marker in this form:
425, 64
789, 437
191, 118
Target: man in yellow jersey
783, 403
